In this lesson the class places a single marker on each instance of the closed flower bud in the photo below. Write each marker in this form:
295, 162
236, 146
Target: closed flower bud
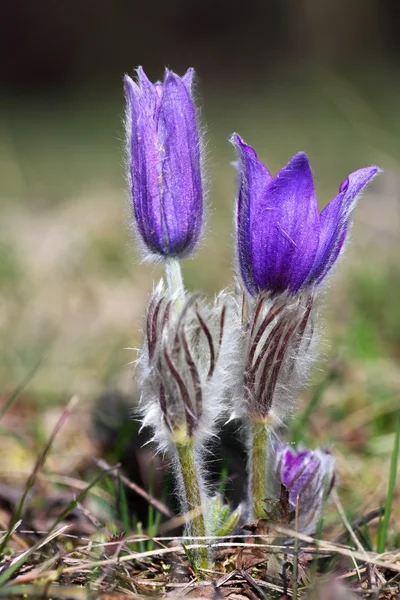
283, 243
164, 163
309, 477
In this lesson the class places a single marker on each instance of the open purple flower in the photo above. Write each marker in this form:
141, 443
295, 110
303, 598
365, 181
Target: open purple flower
164, 162
309, 477
283, 242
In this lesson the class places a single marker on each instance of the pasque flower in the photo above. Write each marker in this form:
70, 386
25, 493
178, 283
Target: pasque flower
164, 162
309, 476
283, 242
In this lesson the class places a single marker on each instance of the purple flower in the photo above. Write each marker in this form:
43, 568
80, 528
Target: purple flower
283, 242
309, 476
164, 162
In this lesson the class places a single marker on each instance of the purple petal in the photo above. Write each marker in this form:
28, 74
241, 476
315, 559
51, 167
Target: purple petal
254, 178
334, 222
143, 166
180, 177
150, 93
284, 228
188, 79
164, 162
296, 471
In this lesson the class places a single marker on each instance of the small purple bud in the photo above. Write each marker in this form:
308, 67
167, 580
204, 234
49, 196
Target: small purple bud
283, 243
164, 162
309, 477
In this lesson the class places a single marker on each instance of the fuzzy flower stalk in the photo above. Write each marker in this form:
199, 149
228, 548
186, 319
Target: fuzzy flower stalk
181, 358
285, 250
184, 366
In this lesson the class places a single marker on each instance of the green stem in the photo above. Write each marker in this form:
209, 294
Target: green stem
190, 476
259, 450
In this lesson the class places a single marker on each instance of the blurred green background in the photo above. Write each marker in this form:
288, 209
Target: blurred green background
322, 77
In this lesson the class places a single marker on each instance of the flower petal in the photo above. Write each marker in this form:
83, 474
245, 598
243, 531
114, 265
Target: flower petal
334, 222
150, 93
143, 156
296, 471
284, 228
180, 176
188, 79
253, 181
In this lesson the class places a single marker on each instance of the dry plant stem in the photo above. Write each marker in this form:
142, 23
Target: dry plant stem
190, 477
258, 468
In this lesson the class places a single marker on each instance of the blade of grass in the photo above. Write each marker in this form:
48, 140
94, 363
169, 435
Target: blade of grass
79, 498
153, 522
139, 529
384, 523
18, 562
20, 388
191, 560
39, 463
133, 486
42, 591
296, 553
346, 522
366, 537
123, 506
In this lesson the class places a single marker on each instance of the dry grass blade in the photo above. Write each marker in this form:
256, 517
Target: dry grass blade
81, 496
64, 593
368, 557
346, 523
11, 531
20, 560
136, 488
39, 463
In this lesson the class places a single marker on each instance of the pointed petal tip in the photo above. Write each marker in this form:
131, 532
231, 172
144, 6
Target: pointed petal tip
169, 74
300, 159
143, 81
241, 146
188, 78
373, 171
127, 80
171, 79
235, 139
299, 168
359, 179
131, 88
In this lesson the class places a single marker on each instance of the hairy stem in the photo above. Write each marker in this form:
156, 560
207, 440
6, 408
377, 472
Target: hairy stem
173, 275
258, 468
191, 482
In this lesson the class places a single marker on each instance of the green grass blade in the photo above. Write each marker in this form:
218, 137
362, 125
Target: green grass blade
191, 559
78, 500
123, 506
384, 523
